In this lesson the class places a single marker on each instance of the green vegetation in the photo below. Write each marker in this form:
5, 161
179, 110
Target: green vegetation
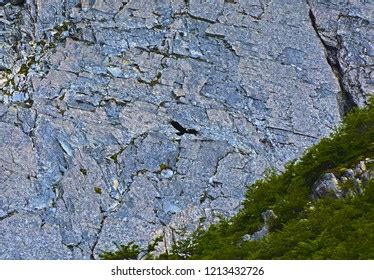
163, 166
24, 70
98, 190
326, 228
83, 171
114, 157
61, 28
129, 251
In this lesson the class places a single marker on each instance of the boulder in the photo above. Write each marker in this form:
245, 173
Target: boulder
328, 185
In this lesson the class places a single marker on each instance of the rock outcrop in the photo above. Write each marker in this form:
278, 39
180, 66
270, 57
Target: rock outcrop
264, 230
350, 182
347, 182
328, 185
128, 120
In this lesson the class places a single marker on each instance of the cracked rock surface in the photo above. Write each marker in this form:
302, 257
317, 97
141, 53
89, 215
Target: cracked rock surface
129, 120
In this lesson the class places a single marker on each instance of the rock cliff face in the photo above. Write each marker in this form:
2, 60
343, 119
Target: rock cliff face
128, 120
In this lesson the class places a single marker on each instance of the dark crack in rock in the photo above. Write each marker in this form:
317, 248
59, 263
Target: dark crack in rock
346, 31
130, 120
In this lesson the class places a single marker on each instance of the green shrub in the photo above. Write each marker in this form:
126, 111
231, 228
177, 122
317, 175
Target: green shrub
128, 251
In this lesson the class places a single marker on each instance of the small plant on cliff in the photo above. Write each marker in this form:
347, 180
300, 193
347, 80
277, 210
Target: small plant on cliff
128, 251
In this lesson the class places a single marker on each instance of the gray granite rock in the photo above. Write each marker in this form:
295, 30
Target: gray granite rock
327, 186
345, 30
128, 120
264, 230
351, 183
260, 234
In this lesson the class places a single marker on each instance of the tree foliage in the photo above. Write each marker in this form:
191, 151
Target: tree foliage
128, 251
